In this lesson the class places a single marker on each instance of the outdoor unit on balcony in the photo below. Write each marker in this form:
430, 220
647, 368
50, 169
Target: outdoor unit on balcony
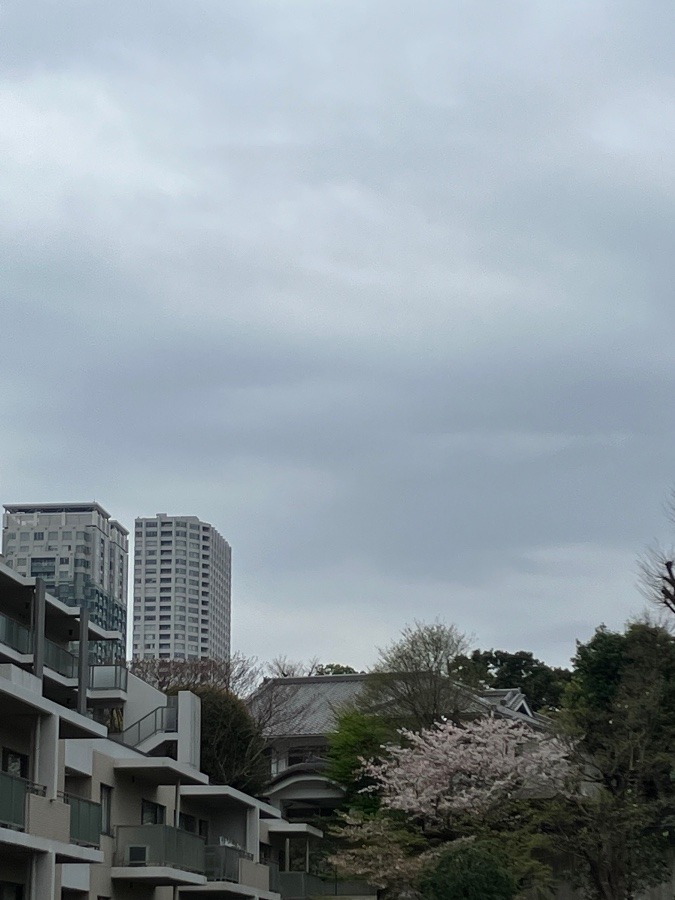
137, 855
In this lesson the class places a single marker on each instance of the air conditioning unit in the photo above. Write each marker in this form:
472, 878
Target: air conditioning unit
137, 855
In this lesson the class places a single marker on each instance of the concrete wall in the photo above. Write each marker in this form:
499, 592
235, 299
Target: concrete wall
142, 698
48, 818
189, 728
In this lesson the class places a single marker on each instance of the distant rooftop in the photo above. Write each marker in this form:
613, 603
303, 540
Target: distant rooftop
313, 703
63, 508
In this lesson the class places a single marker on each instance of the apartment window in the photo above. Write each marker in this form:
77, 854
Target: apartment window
14, 763
106, 809
152, 813
187, 823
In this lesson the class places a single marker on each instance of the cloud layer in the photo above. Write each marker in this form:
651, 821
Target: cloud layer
383, 293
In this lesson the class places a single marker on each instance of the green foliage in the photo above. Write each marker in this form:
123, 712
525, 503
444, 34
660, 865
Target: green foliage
542, 685
358, 736
469, 871
232, 749
334, 669
414, 679
620, 710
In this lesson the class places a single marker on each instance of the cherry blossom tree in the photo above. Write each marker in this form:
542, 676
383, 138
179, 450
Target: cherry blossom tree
449, 770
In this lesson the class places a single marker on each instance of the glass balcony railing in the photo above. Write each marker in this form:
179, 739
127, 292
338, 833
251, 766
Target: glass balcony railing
159, 845
222, 862
13, 792
15, 635
108, 677
85, 820
164, 718
301, 885
60, 660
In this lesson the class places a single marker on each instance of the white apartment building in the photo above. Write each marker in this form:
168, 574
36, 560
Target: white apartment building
80, 553
182, 573
101, 796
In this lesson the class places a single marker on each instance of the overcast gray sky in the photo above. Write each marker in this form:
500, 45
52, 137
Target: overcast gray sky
382, 289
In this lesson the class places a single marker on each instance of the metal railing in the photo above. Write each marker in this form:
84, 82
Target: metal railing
300, 885
113, 676
13, 791
222, 862
60, 660
159, 845
85, 820
164, 718
15, 635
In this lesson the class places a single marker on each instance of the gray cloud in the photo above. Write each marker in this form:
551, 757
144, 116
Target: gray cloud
384, 295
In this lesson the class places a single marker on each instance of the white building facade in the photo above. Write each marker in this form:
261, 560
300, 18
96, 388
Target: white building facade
182, 583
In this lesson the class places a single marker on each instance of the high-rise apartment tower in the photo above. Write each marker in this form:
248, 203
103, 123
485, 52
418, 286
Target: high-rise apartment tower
80, 553
182, 570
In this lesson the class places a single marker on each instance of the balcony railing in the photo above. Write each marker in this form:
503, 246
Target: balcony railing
164, 718
159, 845
85, 820
60, 660
300, 885
15, 635
13, 792
108, 677
222, 862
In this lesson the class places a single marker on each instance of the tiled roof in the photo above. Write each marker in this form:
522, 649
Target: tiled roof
310, 705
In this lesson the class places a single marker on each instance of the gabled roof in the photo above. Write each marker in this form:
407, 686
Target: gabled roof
310, 705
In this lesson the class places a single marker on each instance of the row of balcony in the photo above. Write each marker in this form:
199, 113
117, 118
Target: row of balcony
85, 815
145, 847
20, 638
168, 847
